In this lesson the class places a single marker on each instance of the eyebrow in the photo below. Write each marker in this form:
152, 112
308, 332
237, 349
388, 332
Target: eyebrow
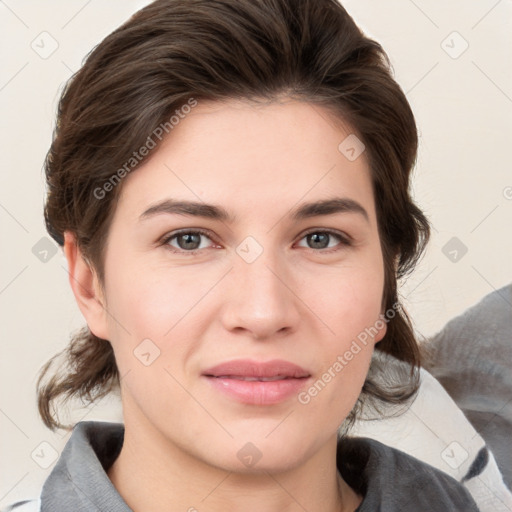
211, 211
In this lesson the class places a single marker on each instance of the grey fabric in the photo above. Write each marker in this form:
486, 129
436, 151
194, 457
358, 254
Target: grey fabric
390, 480
393, 481
79, 481
472, 358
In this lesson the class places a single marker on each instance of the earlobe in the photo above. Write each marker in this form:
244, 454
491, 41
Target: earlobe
86, 287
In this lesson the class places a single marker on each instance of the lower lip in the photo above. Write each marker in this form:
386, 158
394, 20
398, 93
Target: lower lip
258, 392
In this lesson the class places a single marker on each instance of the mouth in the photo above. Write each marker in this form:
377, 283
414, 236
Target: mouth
253, 379
277, 369
257, 383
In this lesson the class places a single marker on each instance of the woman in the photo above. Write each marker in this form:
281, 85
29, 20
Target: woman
229, 180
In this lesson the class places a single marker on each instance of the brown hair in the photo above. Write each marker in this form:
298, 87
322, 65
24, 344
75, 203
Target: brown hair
175, 50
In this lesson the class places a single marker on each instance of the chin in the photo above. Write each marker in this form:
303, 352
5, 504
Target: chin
256, 454
273, 464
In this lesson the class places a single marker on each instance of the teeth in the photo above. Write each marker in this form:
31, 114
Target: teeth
253, 379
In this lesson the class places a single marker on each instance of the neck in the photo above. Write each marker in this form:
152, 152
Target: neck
151, 469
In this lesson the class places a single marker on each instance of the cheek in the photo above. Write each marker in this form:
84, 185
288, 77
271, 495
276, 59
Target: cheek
350, 312
149, 302
162, 312
148, 310
347, 299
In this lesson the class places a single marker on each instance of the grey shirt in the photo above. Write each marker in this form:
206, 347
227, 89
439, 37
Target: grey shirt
389, 480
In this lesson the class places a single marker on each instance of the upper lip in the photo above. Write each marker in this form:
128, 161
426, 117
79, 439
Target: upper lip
250, 368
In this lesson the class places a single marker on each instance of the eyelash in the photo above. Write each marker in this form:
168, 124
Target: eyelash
345, 240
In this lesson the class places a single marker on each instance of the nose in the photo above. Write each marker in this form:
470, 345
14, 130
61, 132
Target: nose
262, 301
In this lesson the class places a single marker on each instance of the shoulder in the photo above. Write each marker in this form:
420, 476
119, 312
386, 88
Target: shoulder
80, 472
394, 480
93, 445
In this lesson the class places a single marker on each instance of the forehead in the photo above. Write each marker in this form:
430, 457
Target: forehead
249, 156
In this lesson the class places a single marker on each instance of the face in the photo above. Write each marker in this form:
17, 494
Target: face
270, 281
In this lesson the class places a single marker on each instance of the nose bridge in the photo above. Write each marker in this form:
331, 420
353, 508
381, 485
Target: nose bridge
263, 302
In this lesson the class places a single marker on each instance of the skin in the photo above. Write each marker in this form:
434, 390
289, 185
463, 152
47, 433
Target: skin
295, 302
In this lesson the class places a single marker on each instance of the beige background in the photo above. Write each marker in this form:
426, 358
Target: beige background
463, 105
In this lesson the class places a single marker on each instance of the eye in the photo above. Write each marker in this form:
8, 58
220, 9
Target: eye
189, 241
186, 240
322, 240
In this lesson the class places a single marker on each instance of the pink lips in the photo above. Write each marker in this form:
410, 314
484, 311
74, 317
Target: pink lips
258, 383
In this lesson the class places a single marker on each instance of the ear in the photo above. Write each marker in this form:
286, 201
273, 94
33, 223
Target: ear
382, 325
86, 288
